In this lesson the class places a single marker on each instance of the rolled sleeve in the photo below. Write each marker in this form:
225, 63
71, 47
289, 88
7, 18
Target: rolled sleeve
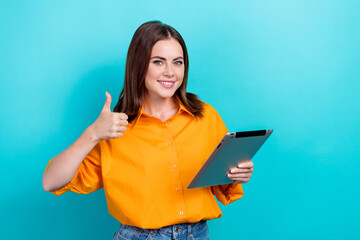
88, 177
228, 193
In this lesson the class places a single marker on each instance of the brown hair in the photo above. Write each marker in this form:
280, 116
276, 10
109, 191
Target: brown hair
137, 63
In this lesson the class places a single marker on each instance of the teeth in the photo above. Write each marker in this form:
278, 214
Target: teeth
166, 83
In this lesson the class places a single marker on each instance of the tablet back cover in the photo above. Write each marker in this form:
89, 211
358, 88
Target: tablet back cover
233, 149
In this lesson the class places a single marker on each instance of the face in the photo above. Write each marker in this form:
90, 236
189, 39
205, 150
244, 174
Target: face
166, 70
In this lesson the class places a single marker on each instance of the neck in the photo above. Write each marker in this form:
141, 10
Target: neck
160, 108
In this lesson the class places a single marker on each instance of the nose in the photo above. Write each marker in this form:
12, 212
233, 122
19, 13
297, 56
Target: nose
168, 71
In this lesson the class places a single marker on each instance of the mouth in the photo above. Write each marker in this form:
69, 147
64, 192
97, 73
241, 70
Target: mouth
166, 84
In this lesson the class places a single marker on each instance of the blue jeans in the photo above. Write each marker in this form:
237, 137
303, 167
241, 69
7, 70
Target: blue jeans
193, 231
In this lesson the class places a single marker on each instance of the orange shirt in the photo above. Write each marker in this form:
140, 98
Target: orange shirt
145, 173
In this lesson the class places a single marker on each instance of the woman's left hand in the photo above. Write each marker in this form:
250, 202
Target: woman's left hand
242, 172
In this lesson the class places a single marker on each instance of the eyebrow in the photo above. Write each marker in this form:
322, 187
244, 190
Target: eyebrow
162, 58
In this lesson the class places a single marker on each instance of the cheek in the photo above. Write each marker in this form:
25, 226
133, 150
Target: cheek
153, 74
180, 74
181, 80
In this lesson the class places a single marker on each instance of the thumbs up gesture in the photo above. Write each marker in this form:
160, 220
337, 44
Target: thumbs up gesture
109, 124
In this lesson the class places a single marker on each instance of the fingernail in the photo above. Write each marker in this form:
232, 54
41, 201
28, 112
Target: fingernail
232, 171
240, 165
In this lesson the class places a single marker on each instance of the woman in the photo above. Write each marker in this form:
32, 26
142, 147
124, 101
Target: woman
147, 151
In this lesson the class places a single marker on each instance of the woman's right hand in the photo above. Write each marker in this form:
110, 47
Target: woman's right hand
109, 124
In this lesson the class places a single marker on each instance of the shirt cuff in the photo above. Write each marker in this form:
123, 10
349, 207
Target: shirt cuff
62, 190
228, 193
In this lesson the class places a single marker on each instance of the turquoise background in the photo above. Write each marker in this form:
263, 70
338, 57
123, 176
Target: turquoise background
293, 66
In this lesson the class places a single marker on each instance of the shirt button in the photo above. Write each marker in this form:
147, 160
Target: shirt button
177, 189
181, 213
174, 165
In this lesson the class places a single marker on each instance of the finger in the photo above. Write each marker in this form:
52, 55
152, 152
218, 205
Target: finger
241, 170
239, 175
119, 122
123, 123
241, 181
107, 104
117, 135
247, 164
121, 129
121, 116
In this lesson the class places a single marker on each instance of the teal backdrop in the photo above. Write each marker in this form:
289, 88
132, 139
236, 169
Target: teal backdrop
293, 66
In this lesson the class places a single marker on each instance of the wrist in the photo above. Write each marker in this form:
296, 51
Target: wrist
90, 135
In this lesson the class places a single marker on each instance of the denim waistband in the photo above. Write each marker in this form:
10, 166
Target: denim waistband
173, 231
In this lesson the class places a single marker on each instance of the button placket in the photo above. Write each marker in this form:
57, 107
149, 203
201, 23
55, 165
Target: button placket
175, 170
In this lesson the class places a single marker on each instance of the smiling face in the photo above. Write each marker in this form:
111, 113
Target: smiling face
166, 70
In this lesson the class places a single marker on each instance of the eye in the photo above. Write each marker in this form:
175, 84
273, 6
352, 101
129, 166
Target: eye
178, 62
157, 62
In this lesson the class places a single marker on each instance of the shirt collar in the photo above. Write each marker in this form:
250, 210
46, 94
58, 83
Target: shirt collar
182, 108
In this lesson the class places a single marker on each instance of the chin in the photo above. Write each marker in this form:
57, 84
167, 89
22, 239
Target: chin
167, 94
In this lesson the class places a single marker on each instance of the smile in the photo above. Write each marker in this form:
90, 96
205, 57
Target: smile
166, 84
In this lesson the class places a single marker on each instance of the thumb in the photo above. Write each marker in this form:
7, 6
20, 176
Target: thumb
107, 103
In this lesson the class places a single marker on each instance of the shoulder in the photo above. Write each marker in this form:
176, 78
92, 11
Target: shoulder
209, 110
214, 121
211, 115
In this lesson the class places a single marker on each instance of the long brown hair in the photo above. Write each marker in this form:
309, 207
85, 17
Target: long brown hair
137, 63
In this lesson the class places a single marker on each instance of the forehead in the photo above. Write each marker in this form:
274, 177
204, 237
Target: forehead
167, 48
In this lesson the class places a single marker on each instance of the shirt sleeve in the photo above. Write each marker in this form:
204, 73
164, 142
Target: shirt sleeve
226, 193
88, 177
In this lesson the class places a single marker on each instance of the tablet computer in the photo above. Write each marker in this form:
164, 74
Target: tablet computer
235, 147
